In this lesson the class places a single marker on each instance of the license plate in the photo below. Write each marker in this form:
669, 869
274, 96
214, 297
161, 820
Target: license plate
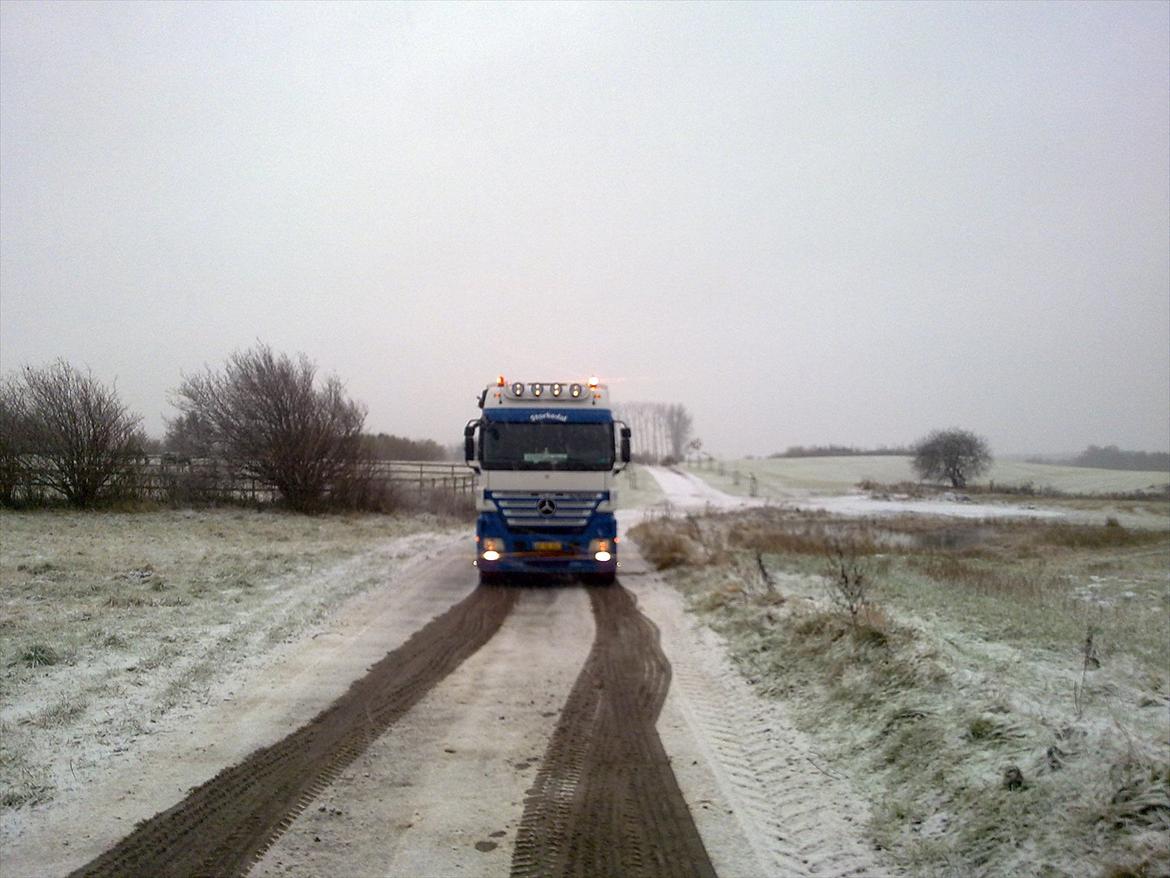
547, 547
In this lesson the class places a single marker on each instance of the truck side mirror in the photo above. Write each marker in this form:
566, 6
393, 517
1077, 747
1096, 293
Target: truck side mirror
469, 443
625, 451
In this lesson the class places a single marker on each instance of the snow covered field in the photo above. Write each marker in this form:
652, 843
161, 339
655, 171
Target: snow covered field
114, 625
1003, 701
788, 477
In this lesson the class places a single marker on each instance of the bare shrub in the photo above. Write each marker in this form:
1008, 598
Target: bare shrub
270, 417
849, 579
71, 429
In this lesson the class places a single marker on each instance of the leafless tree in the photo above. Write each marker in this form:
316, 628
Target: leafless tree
678, 428
13, 436
272, 419
188, 436
76, 428
957, 455
660, 429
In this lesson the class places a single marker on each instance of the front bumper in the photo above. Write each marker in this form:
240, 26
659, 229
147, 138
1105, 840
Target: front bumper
546, 551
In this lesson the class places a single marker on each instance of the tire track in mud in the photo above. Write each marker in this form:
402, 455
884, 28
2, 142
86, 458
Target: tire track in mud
224, 825
800, 819
605, 801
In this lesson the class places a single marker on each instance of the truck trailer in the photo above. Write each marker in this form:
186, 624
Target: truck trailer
546, 455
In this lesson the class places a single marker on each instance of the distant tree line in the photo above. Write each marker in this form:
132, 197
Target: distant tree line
1112, 457
383, 446
841, 451
264, 416
663, 432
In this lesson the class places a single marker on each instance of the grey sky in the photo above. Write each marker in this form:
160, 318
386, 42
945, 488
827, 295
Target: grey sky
810, 223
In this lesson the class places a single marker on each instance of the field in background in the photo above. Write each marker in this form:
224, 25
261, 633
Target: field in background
637, 489
1001, 695
788, 477
111, 620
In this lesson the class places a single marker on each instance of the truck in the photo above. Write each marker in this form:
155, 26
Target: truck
546, 455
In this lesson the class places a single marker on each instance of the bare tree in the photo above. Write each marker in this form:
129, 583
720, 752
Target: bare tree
678, 428
274, 421
189, 435
13, 435
74, 426
957, 455
662, 429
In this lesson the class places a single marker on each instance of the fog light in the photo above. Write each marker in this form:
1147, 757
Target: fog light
600, 556
491, 555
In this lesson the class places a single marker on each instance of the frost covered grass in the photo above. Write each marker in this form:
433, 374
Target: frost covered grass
1002, 695
110, 621
787, 477
637, 489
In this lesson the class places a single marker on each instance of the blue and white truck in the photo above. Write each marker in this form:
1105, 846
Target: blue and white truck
546, 454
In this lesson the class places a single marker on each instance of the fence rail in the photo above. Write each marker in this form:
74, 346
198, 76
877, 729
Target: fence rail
168, 478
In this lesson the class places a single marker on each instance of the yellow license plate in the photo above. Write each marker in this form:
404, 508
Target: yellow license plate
547, 547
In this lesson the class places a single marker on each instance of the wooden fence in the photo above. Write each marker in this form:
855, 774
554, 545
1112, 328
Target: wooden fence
169, 479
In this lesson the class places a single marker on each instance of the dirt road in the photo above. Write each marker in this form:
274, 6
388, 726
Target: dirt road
547, 729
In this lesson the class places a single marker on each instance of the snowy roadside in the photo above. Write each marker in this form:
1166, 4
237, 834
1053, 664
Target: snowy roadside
1002, 705
125, 632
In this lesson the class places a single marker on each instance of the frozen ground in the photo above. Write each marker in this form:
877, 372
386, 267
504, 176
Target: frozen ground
788, 477
182, 642
1018, 643
686, 490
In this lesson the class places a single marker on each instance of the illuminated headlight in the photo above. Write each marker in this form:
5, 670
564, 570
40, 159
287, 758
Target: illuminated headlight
556, 389
600, 549
574, 390
517, 389
491, 550
537, 389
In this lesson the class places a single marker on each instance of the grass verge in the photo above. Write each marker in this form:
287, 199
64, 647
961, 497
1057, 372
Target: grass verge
1001, 690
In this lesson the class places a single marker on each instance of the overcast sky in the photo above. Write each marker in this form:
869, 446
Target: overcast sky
809, 223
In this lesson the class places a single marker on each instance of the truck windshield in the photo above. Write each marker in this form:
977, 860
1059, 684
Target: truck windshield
546, 446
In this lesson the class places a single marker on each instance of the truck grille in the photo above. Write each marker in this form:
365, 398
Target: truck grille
529, 510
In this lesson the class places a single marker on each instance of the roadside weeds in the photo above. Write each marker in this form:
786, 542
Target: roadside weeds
957, 689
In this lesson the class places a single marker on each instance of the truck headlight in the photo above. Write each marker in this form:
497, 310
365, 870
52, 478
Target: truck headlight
491, 550
601, 550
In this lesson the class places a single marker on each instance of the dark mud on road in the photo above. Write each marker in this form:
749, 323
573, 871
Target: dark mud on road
225, 824
605, 801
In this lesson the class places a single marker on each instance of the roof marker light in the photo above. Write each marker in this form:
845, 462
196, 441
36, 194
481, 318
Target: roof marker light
593, 382
500, 381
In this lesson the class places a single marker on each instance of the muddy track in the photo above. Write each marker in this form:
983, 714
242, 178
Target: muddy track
605, 801
225, 824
